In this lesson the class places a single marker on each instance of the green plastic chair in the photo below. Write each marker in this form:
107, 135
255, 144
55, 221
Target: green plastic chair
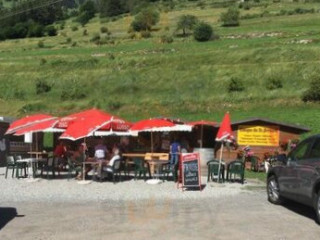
114, 170
73, 168
168, 169
213, 169
235, 169
10, 165
20, 167
140, 168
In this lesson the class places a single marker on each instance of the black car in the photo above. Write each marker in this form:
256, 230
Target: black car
298, 177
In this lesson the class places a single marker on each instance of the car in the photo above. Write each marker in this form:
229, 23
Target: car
298, 176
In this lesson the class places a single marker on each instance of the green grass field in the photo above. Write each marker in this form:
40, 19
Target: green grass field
139, 78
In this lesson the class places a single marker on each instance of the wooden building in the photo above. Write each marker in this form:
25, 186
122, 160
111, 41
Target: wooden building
263, 136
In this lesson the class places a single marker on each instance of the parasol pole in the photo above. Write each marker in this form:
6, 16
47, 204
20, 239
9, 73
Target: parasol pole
220, 159
151, 142
201, 136
37, 145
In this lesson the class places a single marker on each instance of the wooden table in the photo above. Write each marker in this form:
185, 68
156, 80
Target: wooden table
133, 155
37, 154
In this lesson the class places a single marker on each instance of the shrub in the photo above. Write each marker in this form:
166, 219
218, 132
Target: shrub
96, 38
73, 90
166, 39
36, 30
51, 31
186, 22
144, 21
42, 87
104, 30
230, 18
235, 85
74, 28
43, 61
69, 40
313, 93
145, 34
40, 44
203, 32
273, 83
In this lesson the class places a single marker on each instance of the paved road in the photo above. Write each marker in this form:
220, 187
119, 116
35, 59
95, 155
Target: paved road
244, 216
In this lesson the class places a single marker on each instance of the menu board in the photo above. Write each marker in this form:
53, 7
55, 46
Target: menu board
190, 166
258, 135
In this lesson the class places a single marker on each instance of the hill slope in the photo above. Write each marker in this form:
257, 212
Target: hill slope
138, 78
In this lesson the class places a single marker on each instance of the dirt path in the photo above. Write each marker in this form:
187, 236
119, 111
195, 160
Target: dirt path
245, 216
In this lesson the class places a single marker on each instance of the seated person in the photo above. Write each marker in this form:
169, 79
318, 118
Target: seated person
60, 153
116, 156
100, 155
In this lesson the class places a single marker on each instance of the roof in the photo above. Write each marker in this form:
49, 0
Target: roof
293, 127
6, 119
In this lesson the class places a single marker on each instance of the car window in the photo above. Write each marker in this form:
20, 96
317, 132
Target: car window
301, 151
315, 150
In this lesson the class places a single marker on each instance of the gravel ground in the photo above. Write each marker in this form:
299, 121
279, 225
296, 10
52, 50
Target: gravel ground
62, 209
62, 190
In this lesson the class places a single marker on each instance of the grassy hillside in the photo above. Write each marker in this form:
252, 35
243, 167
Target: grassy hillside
137, 78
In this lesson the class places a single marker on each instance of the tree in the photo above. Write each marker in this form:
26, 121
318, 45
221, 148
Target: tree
145, 20
230, 18
51, 30
110, 8
202, 32
87, 12
186, 22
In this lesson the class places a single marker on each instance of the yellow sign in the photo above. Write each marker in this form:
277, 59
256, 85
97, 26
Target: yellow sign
258, 135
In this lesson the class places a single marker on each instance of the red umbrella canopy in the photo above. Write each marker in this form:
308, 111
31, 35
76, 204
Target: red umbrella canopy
27, 121
202, 123
84, 124
224, 131
43, 126
151, 125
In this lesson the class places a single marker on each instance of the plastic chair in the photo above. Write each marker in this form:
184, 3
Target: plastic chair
49, 166
73, 168
140, 168
168, 169
213, 169
10, 165
235, 168
114, 170
22, 166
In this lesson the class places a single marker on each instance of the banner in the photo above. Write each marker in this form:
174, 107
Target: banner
258, 135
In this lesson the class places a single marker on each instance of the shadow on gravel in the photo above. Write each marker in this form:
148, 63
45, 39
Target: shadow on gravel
301, 209
7, 214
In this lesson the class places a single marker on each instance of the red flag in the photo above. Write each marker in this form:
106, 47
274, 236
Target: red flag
225, 131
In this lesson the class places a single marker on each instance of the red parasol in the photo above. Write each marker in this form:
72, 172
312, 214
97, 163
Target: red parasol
28, 121
44, 126
224, 133
152, 125
86, 123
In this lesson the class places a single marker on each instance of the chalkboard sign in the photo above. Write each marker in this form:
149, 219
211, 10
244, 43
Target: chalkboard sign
190, 166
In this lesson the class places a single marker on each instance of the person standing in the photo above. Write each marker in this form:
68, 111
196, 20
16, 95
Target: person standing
175, 150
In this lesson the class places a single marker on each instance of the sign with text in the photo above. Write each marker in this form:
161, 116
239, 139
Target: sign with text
258, 135
190, 166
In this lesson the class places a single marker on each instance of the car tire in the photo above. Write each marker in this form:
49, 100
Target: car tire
317, 207
273, 190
